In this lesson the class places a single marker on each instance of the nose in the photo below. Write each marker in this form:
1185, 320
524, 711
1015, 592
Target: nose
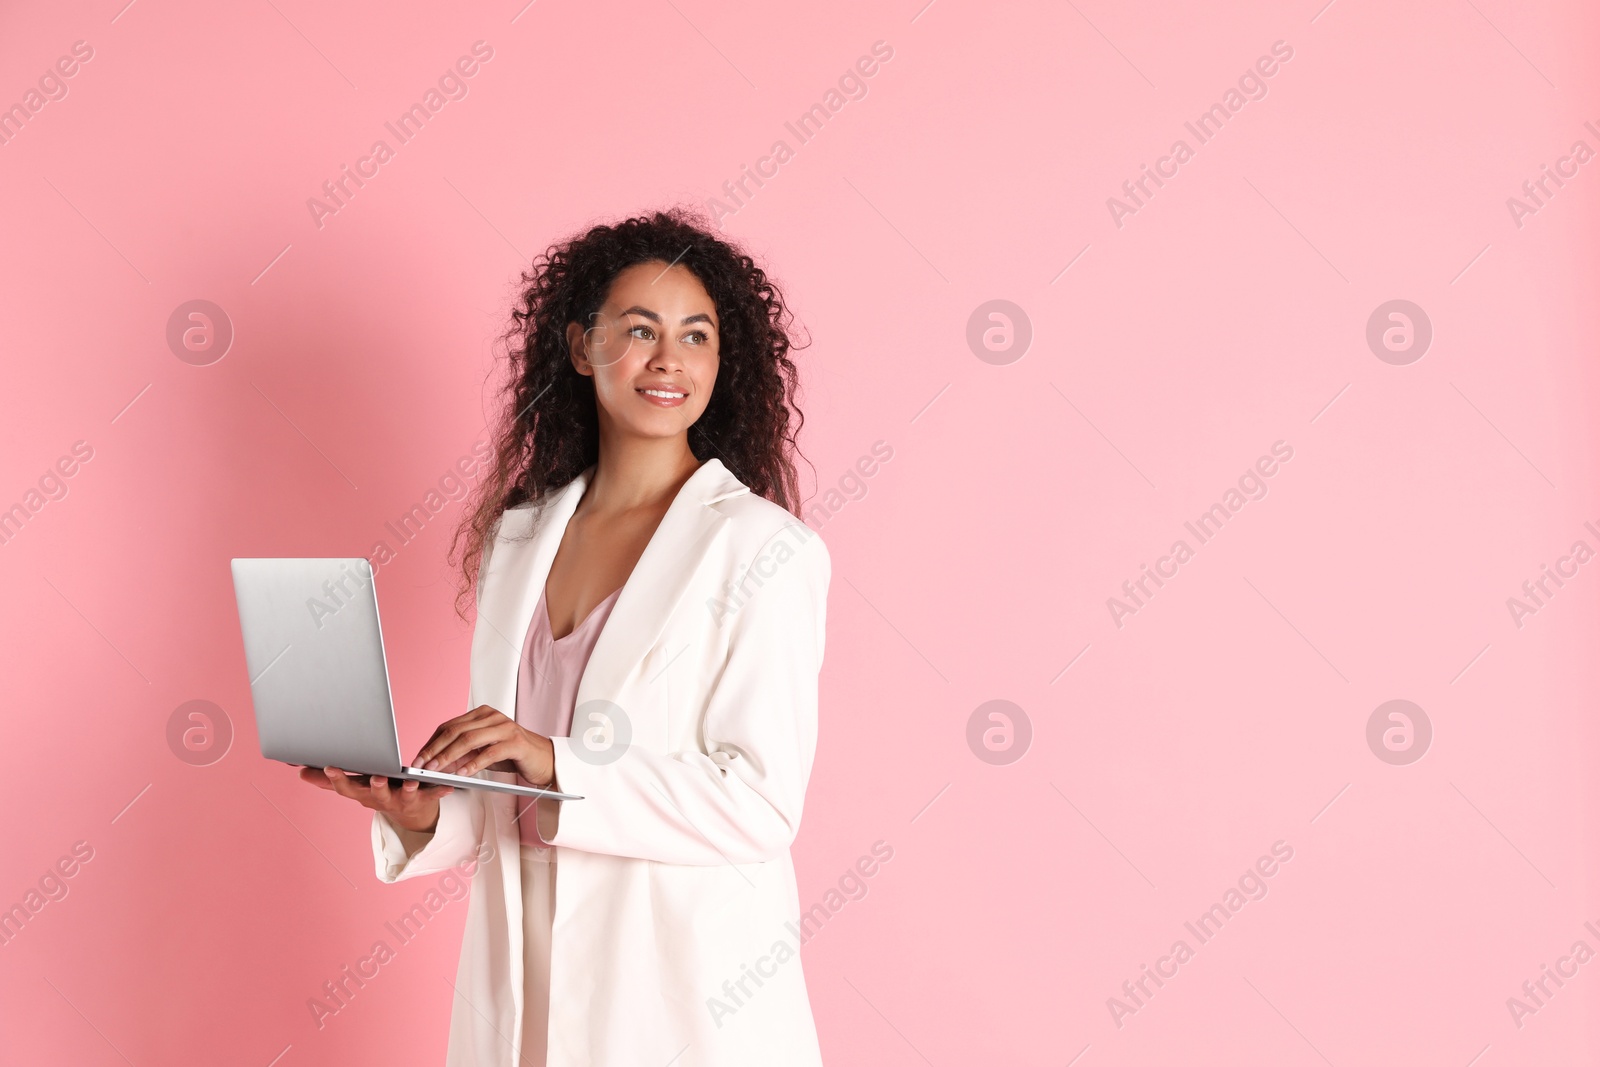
666, 358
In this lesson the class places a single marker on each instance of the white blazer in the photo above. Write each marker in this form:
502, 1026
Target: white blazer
676, 931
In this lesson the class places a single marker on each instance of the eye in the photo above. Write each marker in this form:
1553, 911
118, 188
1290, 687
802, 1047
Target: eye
699, 336
646, 336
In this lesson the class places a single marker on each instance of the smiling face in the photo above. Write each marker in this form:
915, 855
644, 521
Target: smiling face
652, 350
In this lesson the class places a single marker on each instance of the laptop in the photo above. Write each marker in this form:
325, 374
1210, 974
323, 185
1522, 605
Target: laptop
319, 678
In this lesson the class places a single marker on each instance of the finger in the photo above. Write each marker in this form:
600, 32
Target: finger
315, 776
457, 751
344, 785
450, 750
442, 737
450, 729
500, 750
485, 756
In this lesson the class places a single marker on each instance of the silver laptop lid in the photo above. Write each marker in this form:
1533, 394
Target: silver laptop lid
318, 677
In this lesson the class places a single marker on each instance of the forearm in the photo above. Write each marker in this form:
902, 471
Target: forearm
689, 809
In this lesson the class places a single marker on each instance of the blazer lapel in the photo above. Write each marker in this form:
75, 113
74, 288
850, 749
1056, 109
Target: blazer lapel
658, 581
520, 564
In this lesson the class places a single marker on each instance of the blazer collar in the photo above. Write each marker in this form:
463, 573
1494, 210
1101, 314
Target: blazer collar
520, 562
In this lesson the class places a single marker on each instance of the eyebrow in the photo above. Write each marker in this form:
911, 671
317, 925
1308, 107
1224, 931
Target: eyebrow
653, 317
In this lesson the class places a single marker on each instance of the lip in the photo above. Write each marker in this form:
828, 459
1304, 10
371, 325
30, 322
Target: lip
662, 401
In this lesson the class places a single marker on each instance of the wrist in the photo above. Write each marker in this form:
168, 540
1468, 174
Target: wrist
548, 759
418, 824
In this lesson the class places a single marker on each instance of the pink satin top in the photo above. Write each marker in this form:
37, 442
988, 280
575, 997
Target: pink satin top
547, 684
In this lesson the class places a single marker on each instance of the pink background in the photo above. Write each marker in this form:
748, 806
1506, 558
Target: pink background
1228, 313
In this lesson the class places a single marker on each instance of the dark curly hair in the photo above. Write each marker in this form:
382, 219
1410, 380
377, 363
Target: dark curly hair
548, 429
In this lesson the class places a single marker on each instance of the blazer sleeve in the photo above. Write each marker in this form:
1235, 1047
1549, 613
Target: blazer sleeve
462, 817
739, 800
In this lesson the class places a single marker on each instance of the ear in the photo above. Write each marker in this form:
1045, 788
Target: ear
578, 348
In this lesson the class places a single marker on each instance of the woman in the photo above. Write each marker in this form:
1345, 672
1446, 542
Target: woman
649, 635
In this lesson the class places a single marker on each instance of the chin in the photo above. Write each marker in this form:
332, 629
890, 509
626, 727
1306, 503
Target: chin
661, 429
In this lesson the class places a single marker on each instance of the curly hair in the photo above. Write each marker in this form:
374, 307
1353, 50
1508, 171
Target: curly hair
548, 429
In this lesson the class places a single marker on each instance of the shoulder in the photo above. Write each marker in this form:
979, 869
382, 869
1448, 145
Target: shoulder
524, 513
516, 523
761, 532
521, 521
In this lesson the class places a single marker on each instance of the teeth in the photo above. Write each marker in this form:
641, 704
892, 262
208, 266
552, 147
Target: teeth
662, 393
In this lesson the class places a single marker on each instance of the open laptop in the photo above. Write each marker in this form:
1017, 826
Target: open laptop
318, 675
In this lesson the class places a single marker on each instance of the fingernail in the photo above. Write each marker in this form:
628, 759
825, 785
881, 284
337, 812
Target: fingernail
430, 765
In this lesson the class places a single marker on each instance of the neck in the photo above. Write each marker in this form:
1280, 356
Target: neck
638, 473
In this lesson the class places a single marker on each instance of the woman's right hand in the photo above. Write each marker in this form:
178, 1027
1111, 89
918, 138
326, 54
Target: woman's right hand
412, 806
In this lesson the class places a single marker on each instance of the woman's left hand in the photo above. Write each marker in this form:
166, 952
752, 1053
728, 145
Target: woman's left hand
484, 738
